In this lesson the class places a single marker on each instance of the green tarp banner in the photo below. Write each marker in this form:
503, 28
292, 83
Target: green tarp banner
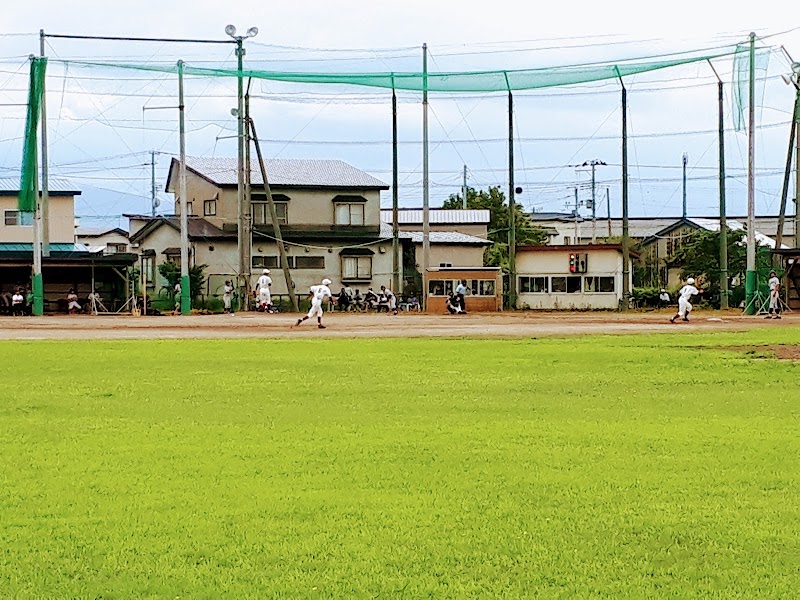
28, 183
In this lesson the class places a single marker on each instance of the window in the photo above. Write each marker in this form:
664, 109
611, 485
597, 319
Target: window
17, 218
116, 248
445, 264
436, 287
566, 285
261, 214
356, 267
598, 284
349, 214
566, 240
307, 262
533, 285
266, 262
210, 208
149, 270
190, 208
487, 287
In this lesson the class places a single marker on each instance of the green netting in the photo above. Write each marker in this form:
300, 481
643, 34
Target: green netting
474, 81
741, 82
30, 172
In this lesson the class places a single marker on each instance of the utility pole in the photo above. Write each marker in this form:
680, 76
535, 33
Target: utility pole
685, 162
186, 298
575, 214
247, 220
395, 200
464, 189
45, 215
787, 174
426, 225
608, 210
723, 224
512, 208
594, 163
153, 205
276, 226
750, 275
243, 241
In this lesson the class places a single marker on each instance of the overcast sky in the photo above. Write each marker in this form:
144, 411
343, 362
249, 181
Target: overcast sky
101, 137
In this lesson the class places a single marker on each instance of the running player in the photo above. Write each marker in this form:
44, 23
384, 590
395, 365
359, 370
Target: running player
684, 297
318, 294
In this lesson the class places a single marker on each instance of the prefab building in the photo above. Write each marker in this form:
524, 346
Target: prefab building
574, 277
484, 283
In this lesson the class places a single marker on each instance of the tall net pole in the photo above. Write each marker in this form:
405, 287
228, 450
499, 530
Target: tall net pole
723, 223
626, 250
45, 216
512, 225
395, 202
186, 298
426, 225
750, 275
242, 241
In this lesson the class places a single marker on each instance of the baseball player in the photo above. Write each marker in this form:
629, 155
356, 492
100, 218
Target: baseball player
318, 294
227, 296
774, 296
262, 290
684, 296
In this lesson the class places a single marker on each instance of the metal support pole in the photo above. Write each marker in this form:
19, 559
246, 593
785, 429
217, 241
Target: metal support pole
575, 214
787, 175
750, 275
594, 204
247, 208
626, 251
45, 214
395, 201
464, 189
608, 210
186, 297
512, 209
241, 239
287, 274
797, 163
426, 225
153, 206
685, 162
723, 223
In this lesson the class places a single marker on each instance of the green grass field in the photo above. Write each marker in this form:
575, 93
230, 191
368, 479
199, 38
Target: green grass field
639, 466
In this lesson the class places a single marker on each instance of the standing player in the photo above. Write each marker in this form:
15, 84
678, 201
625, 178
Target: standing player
774, 296
318, 294
262, 291
227, 296
684, 297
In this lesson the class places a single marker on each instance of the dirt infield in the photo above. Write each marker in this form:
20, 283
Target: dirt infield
252, 325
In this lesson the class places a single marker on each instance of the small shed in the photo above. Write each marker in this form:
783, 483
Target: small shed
484, 283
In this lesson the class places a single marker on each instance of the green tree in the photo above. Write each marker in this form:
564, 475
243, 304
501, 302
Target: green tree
494, 201
172, 273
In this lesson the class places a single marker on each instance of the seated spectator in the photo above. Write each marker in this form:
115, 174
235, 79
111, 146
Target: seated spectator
72, 302
413, 303
358, 301
389, 300
663, 298
343, 301
371, 299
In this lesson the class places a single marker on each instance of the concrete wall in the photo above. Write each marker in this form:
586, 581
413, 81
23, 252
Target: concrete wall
601, 263
457, 255
62, 221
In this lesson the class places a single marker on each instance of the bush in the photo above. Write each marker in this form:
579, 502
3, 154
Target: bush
646, 297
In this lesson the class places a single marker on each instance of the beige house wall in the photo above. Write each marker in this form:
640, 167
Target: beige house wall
103, 240
305, 206
62, 221
475, 229
456, 255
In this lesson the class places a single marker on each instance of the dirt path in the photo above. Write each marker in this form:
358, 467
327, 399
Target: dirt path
250, 325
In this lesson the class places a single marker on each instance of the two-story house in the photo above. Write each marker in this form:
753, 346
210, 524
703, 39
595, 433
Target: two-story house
329, 214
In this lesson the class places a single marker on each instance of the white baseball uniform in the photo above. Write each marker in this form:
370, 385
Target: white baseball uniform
318, 293
685, 295
264, 294
774, 293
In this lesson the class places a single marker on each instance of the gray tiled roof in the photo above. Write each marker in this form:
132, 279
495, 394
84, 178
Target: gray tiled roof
436, 237
286, 173
10, 185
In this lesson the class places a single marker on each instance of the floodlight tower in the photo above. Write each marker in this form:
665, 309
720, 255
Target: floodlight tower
244, 237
